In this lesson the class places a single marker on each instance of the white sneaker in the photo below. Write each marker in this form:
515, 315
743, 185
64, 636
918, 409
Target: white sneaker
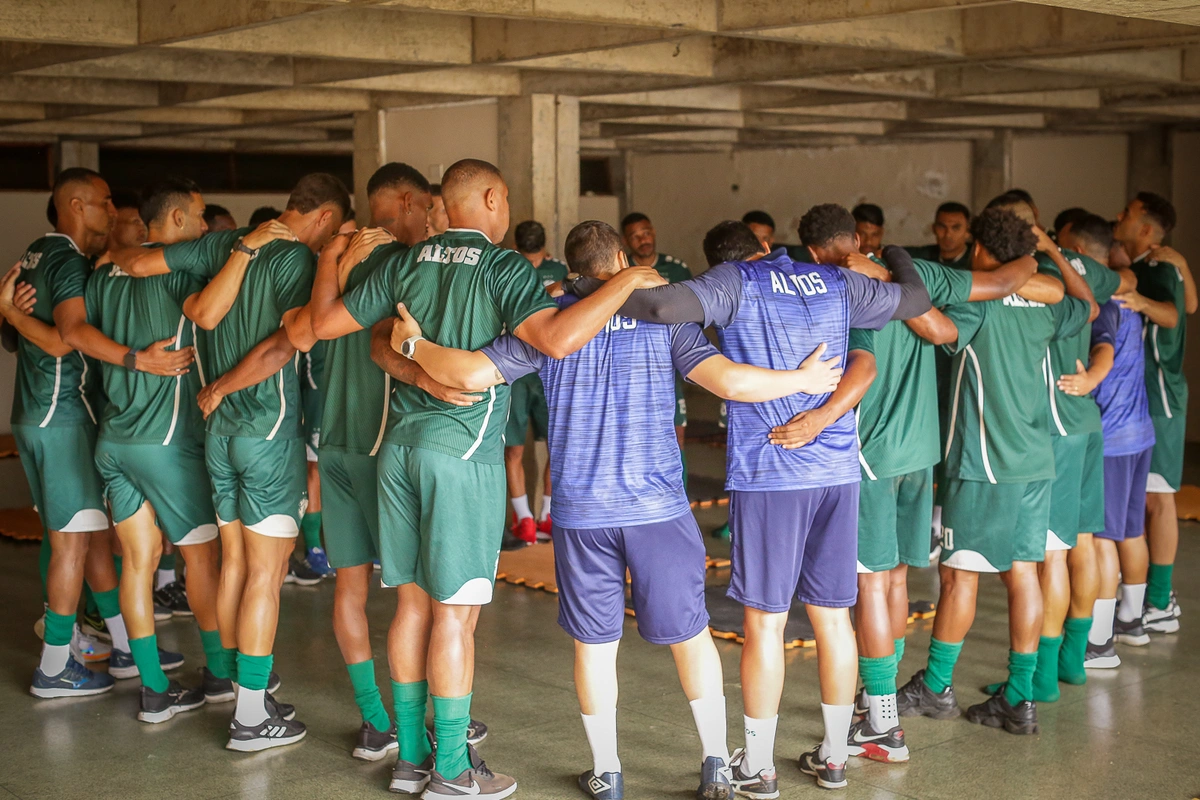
86, 649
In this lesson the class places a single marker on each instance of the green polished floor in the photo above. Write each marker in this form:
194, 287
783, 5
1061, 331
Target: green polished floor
1133, 733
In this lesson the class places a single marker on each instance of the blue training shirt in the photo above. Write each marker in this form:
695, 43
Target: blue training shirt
1124, 405
773, 313
614, 458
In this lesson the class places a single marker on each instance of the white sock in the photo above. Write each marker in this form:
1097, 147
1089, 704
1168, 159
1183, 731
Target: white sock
251, 706
54, 658
836, 748
545, 512
1133, 597
760, 744
521, 507
163, 577
116, 629
1102, 620
883, 714
709, 713
937, 520
601, 730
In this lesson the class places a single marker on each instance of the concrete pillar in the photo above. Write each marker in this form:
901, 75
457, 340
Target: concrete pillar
1149, 161
370, 153
539, 156
74, 153
991, 168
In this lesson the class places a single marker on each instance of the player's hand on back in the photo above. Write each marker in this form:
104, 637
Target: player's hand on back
1044, 243
209, 398
159, 359
1077, 384
362, 244
857, 262
24, 298
800, 429
403, 328
642, 277
269, 231
821, 377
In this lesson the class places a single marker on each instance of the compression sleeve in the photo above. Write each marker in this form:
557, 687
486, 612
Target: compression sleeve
914, 298
668, 305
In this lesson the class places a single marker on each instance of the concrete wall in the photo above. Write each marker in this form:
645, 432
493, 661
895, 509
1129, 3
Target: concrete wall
1065, 171
432, 139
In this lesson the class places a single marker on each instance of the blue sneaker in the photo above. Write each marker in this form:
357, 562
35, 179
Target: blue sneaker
318, 562
75, 680
121, 666
609, 786
716, 780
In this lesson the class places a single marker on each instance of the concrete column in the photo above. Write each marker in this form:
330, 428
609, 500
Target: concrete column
74, 153
991, 168
539, 156
1149, 161
370, 153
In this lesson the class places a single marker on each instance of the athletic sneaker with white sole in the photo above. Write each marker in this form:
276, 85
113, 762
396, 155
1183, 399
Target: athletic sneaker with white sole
75, 680
828, 774
862, 706
410, 778
374, 744
122, 666
272, 732
763, 785
1161, 620
161, 706
474, 781
866, 742
1101, 656
716, 780
608, 786
88, 650
1131, 633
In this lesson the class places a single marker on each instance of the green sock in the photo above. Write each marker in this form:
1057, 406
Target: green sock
1045, 675
44, 565
59, 628
409, 701
878, 674
254, 671
899, 650
89, 601
108, 602
211, 642
1074, 647
145, 655
228, 662
1021, 667
451, 717
1158, 585
310, 526
366, 694
118, 565
939, 672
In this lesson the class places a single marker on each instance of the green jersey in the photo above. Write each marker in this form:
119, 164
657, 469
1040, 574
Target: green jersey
465, 292
898, 416
1166, 385
356, 391
551, 271
279, 279
52, 390
144, 408
672, 268
1069, 414
999, 432
931, 252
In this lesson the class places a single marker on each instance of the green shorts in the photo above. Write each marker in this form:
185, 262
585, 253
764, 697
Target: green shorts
988, 526
349, 507
173, 478
60, 466
440, 523
680, 404
1077, 492
527, 406
261, 483
893, 521
312, 402
1166, 462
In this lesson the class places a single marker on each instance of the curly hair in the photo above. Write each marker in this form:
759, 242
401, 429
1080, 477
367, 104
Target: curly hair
823, 223
1003, 234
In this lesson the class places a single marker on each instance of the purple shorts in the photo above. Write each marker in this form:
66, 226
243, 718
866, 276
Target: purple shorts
801, 543
1125, 495
666, 563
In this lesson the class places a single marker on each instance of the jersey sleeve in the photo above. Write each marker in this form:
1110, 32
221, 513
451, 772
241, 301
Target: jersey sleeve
946, 286
690, 347
968, 317
1070, 316
67, 274
1162, 282
183, 285
871, 302
91, 299
294, 276
375, 298
862, 339
720, 293
514, 358
1104, 327
517, 289
1103, 281
204, 256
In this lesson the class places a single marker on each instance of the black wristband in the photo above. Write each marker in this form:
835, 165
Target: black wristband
131, 361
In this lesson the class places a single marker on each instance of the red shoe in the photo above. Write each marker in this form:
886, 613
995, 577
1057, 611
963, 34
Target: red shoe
543, 528
525, 530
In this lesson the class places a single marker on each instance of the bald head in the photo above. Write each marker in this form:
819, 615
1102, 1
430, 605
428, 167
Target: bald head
476, 196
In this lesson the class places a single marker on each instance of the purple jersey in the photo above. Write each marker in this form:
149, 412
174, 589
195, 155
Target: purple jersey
614, 458
773, 313
1124, 406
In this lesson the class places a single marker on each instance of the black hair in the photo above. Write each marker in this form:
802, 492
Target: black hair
435, 189
74, 175
758, 218
730, 241
51, 212
1068, 216
263, 214
469, 170
165, 195
395, 174
1025, 196
1003, 234
530, 236
1008, 199
869, 213
953, 208
212, 211
821, 224
1095, 230
1159, 209
126, 198
632, 218
591, 248
315, 190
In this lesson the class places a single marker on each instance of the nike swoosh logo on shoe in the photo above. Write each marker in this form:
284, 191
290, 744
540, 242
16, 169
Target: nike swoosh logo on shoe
858, 737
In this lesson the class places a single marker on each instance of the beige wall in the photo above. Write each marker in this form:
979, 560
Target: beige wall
432, 139
1065, 171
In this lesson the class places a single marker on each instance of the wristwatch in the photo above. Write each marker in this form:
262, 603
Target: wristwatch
130, 361
409, 346
240, 247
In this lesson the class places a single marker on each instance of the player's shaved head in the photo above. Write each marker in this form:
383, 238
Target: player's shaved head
593, 249
476, 196
70, 182
730, 241
468, 177
1015, 202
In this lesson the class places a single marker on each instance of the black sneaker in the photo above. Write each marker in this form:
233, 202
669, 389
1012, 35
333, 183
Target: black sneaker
374, 744
476, 733
866, 742
174, 597
921, 609
474, 781
94, 626
997, 712
828, 774
272, 732
764, 785
121, 665
609, 786
410, 778
161, 706
1101, 656
300, 573
216, 690
1131, 633
715, 780
862, 706
273, 682
285, 711
915, 699
162, 612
